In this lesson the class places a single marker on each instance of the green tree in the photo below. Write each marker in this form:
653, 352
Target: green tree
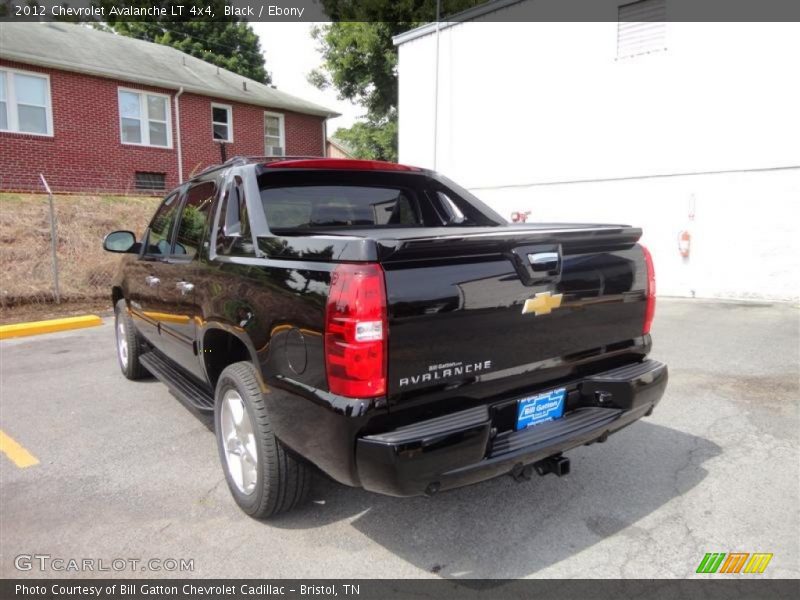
228, 42
370, 139
359, 60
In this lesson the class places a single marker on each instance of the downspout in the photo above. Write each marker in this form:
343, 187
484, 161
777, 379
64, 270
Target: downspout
325, 137
178, 134
436, 90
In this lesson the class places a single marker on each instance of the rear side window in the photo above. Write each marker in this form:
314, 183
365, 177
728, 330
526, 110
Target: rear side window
158, 241
233, 235
195, 213
306, 207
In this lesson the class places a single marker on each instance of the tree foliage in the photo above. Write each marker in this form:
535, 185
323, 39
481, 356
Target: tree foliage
228, 42
359, 60
370, 139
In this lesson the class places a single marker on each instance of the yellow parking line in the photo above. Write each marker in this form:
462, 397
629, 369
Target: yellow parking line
37, 327
18, 455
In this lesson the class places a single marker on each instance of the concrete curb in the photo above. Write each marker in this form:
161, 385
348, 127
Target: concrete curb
38, 327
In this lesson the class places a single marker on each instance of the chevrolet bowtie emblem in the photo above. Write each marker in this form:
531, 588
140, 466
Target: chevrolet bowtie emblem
542, 303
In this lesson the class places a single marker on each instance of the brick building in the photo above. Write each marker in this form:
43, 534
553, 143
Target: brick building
95, 111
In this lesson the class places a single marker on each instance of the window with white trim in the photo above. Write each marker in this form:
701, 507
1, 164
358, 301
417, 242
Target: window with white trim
25, 104
641, 28
274, 135
222, 122
144, 118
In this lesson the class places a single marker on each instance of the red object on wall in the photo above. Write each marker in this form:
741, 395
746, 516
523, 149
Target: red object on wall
684, 243
86, 153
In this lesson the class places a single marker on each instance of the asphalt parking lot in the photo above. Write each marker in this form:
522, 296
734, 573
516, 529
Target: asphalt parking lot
126, 471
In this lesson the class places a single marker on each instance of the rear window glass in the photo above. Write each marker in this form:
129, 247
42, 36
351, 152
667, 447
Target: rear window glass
306, 207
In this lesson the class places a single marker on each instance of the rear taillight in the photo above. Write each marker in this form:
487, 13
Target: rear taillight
356, 331
650, 291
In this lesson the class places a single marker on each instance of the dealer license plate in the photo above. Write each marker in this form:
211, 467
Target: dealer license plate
533, 410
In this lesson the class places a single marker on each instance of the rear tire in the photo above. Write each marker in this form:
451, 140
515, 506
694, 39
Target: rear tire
129, 346
263, 477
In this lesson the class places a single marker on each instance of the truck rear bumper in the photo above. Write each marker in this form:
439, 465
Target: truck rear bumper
464, 447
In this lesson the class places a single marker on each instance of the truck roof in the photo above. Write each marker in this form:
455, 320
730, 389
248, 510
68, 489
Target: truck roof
347, 164
313, 162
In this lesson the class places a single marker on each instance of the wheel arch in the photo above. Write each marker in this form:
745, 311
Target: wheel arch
219, 347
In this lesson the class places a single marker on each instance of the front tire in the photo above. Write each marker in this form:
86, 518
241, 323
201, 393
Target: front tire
129, 346
263, 477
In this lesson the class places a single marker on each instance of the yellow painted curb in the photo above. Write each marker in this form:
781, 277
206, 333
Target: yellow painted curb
37, 327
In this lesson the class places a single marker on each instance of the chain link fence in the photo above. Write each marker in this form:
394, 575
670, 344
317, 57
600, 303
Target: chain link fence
80, 221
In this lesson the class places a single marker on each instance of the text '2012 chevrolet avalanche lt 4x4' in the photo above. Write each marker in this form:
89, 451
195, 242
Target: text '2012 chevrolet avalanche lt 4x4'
381, 324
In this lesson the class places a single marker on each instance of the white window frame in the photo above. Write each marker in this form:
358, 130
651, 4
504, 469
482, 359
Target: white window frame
282, 127
229, 109
145, 118
12, 114
642, 52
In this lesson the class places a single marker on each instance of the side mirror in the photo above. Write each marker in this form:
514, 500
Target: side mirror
119, 241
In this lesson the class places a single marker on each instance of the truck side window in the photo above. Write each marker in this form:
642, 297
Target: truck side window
234, 237
194, 217
159, 241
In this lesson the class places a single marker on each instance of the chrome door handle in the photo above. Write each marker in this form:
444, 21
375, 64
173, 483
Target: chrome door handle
184, 286
152, 281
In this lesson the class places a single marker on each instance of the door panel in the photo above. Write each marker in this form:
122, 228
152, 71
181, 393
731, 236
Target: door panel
176, 316
177, 321
141, 294
144, 275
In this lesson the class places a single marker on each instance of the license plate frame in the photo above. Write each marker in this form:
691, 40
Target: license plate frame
540, 408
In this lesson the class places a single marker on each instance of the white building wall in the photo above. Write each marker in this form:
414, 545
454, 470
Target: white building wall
543, 117
744, 242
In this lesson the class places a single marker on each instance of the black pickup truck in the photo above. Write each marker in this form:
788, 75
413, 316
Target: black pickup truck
381, 324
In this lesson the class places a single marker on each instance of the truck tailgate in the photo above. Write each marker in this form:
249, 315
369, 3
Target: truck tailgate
510, 305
